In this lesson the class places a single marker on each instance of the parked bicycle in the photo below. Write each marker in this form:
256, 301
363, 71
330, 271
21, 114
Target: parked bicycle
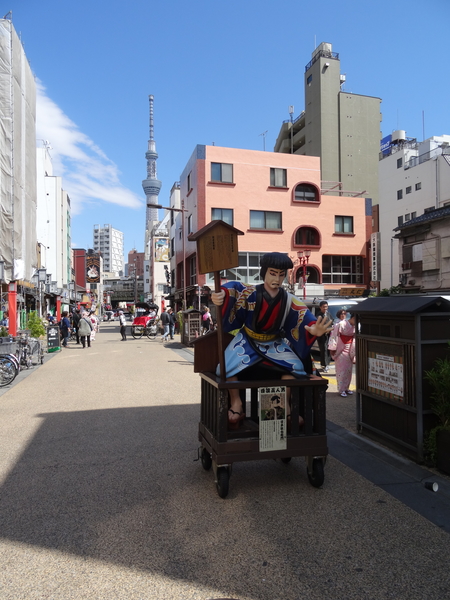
9, 368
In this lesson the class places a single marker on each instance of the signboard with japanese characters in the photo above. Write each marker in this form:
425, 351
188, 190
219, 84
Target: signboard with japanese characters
386, 375
272, 418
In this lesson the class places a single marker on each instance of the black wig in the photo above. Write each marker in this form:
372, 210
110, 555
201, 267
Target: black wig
274, 260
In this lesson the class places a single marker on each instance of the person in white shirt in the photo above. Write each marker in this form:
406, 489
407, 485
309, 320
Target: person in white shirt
123, 326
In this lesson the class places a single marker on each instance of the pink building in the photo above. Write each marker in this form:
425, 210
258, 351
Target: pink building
276, 200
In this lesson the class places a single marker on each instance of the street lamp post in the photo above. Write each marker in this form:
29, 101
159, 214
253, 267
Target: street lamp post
182, 210
42, 277
303, 257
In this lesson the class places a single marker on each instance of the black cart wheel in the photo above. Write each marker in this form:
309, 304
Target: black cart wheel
223, 481
316, 476
286, 460
206, 459
137, 331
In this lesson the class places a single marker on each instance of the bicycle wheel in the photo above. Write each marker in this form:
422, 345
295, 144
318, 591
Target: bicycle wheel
8, 371
137, 331
151, 331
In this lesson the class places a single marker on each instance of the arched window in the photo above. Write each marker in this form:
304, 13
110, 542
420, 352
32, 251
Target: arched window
307, 236
305, 192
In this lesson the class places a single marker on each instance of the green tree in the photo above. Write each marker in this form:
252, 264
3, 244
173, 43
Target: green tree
35, 325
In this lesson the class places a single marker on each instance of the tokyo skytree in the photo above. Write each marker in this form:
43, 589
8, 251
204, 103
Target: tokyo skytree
151, 185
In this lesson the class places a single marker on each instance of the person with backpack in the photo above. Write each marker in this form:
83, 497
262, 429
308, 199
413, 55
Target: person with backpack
85, 329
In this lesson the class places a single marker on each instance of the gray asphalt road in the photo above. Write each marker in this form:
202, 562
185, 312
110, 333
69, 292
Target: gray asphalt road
101, 497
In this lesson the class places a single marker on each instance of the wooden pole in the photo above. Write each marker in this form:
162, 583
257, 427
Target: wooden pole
222, 374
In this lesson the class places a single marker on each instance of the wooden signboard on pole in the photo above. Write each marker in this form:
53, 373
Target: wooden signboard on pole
217, 250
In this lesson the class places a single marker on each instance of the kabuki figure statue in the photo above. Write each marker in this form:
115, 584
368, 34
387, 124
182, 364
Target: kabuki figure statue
275, 330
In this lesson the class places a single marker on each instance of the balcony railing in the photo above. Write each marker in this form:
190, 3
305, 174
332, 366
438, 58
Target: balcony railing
322, 54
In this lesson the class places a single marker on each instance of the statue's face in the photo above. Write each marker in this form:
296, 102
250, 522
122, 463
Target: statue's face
273, 280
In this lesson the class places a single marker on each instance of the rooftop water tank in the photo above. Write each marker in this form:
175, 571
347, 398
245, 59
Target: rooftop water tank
398, 135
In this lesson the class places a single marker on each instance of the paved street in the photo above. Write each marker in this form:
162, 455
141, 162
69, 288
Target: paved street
101, 497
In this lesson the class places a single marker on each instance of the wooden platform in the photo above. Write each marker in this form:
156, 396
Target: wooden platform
307, 399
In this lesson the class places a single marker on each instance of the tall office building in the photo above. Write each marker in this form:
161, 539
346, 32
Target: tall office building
151, 185
341, 127
109, 243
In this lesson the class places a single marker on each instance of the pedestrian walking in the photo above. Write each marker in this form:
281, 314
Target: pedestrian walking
206, 320
165, 320
325, 357
85, 329
76, 320
123, 326
344, 353
94, 322
64, 327
172, 322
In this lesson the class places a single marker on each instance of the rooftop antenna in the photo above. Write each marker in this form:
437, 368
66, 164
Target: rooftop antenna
264, 139
423, 125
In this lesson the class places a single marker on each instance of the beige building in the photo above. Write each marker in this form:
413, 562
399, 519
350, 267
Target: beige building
424, 247
340, 127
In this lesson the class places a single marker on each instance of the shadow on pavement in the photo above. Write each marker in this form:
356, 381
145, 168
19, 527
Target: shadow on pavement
120, 485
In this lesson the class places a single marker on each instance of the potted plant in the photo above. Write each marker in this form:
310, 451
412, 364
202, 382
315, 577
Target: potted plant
438, 441
34, 324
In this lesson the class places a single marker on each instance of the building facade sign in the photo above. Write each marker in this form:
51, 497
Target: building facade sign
92, 269
162, 250
385, 144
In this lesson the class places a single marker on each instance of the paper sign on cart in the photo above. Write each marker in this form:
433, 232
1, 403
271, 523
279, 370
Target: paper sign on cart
272, 418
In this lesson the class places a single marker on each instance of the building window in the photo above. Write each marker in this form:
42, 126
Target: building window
309, 80
407, 217
260, 219
189, 224
247, 271
342, 269
408, 189
278, 177
222, 214
172, 247
418, 186
193, 269
413, 215
305, 193
399, 163
343, 224
400, 221
307, 236
399, 194
222, 172
189, 183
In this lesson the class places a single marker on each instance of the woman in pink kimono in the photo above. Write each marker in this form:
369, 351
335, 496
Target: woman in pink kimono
342, 350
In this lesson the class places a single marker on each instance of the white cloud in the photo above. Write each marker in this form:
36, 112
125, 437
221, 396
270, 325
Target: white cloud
88, 174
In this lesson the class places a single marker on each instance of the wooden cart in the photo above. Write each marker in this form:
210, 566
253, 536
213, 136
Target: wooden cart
217, 249
221, 447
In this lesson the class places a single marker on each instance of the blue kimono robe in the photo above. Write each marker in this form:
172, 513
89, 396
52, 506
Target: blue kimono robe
271, 330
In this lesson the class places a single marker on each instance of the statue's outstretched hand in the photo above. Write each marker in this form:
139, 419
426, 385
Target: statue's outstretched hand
321, 326
218, 297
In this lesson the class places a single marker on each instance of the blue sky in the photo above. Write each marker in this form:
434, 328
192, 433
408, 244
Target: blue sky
221, 72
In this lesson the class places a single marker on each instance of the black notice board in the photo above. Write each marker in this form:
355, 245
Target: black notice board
53, 338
